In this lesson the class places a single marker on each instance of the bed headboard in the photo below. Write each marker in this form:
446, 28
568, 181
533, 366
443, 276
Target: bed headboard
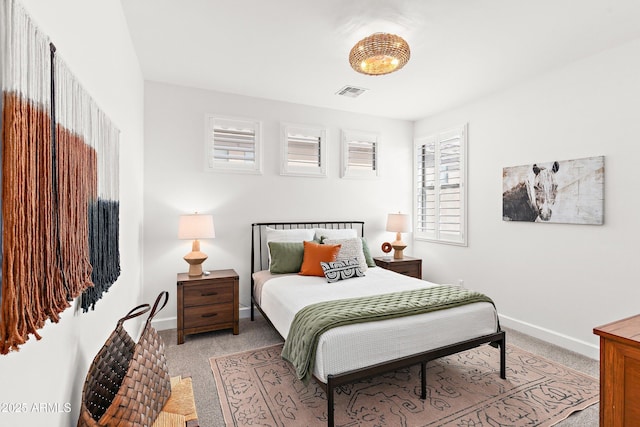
259, 252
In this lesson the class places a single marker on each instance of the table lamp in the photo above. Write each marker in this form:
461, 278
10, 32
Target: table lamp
196, 227
398, 223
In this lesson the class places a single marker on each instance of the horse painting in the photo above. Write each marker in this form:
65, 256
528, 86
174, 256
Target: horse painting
532, 199
560, 192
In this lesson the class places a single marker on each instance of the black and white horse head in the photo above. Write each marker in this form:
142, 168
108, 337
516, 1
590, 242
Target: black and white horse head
533, 198
542, 189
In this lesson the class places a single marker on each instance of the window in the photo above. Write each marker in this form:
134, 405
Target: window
233, 144
303, 150
440, 173
359, 154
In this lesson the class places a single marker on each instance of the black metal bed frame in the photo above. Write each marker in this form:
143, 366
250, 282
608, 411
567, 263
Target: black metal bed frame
258, 248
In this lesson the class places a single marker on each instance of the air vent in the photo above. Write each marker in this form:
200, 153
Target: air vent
351, 91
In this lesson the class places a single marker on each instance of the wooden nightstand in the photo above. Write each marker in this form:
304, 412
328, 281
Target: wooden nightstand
207, 303
408, 266
619, 372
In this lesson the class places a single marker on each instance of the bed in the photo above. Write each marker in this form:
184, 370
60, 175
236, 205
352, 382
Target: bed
349, 351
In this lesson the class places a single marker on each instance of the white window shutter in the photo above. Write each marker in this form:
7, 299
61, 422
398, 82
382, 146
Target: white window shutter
360, 154
233, 144
440, 173
303, 150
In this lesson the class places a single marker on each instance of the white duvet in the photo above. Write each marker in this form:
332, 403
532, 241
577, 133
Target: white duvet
356, 346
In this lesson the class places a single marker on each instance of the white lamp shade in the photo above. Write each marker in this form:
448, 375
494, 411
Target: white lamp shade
196, 227
399, 223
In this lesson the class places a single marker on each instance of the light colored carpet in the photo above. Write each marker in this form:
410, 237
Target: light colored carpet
192, 359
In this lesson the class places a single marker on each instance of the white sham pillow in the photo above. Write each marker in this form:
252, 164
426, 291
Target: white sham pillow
335, 233
288, 235
292, 235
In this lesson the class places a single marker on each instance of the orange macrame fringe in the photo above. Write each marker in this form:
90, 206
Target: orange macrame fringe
77, 186
45, 258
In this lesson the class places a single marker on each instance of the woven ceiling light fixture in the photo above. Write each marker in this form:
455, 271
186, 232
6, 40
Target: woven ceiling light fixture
380, 53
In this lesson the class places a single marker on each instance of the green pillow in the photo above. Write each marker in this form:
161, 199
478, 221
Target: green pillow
367, 254
286, 257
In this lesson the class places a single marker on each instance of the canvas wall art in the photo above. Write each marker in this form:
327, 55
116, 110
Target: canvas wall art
567, 192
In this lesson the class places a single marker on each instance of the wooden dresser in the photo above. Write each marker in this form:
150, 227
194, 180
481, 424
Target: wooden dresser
408, 266
620, 373
207, 303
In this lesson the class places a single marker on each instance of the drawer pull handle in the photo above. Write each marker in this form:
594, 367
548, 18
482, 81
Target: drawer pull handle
210, 294
210, 315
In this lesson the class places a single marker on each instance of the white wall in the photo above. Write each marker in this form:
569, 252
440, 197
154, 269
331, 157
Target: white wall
94, 41
554, 281
176, 182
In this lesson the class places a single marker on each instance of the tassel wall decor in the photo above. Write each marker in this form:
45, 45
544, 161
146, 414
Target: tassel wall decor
59, 163
32, 289
87, 166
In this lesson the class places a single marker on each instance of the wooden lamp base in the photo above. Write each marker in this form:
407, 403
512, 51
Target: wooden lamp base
397, 251
195, 258
398, 246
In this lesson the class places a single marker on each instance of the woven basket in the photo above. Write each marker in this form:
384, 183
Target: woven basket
128, 383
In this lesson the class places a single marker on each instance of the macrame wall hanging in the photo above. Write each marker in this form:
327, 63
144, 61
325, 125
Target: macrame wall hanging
59, 163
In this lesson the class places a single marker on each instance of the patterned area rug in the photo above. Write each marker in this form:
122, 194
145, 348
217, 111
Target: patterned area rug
259, 388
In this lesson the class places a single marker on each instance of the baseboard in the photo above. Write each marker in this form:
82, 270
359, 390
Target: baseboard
172, 322
164, 324
553, 337
245, 312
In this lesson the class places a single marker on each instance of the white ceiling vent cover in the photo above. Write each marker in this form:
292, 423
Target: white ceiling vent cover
351, 91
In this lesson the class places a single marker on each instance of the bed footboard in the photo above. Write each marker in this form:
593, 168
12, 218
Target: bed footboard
334, 381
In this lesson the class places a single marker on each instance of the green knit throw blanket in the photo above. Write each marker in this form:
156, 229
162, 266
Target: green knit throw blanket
315, 319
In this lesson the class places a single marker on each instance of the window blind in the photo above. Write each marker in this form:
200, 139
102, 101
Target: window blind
362, 156
304, 151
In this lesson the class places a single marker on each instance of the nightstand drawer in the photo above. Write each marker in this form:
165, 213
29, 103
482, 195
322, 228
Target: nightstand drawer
208, 315
408, 270
408, 266
213, 293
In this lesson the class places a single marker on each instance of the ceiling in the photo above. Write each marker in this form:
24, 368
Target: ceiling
297, 50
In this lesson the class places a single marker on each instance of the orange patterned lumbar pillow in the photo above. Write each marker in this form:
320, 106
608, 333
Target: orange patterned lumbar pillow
314, 254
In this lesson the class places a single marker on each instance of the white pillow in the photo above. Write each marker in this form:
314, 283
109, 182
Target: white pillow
289, 235
336, 233
349, 249
292, 235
